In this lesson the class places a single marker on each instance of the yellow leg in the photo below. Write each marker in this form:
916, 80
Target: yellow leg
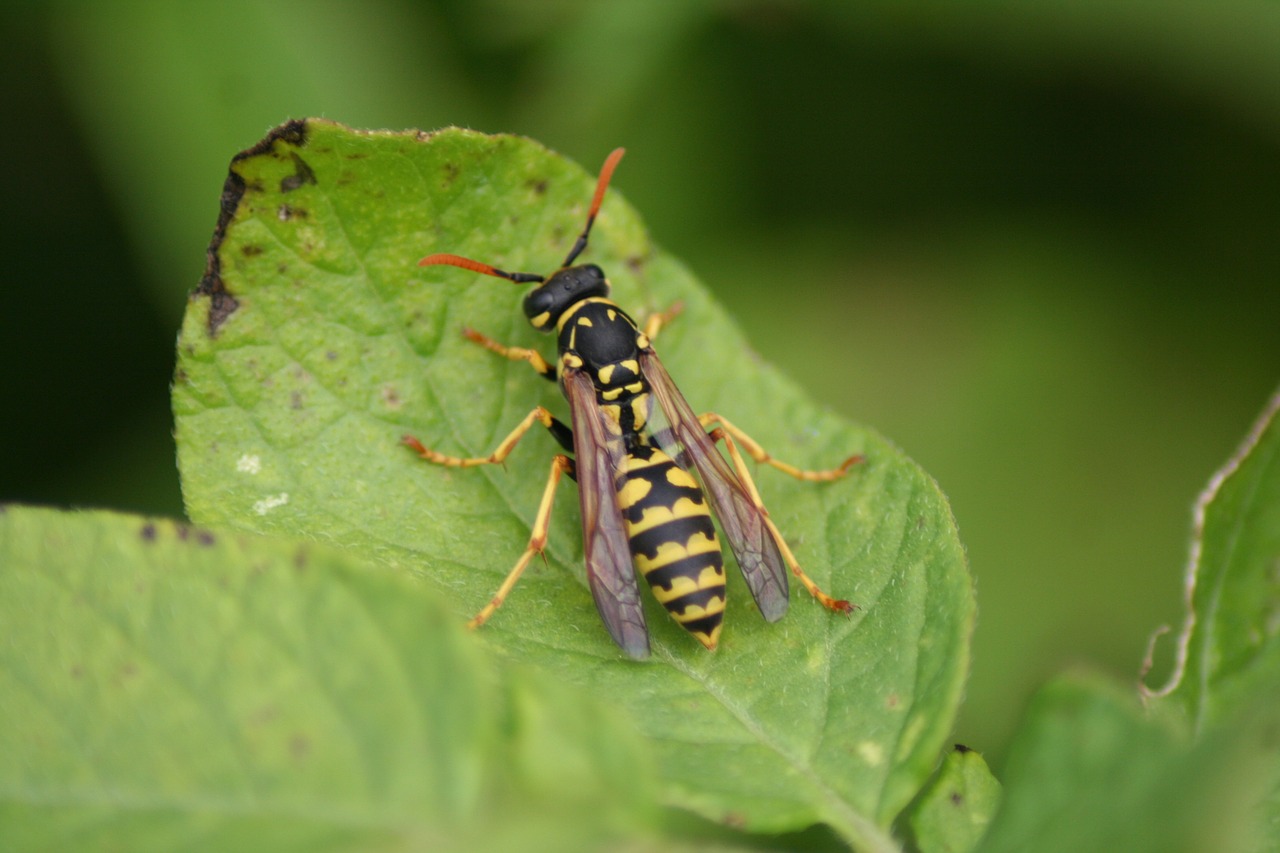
534, 357
839, 605
756, 452
654, 324
537, 541
538, 415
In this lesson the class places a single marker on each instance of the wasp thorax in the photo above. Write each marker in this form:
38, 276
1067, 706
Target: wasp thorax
544, 305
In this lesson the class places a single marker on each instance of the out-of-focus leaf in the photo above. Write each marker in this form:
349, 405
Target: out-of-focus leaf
170, 688
1228, 652
1090, 770
1230, 645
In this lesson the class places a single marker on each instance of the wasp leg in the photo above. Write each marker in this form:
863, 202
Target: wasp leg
839, 605
654, 324
537, 540
756, 452
503, 450
535, 359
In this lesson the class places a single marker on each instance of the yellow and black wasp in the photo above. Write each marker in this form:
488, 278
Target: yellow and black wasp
642, 507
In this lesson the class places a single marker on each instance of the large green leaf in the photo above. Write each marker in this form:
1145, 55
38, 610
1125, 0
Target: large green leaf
315, 342
171, 688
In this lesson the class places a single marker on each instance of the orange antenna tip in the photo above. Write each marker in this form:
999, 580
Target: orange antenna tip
602, 184
476, 266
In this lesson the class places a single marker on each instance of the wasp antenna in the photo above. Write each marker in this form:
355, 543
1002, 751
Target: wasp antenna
476, 266
602, 183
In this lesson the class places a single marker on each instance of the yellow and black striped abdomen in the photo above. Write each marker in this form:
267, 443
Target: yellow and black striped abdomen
673, 540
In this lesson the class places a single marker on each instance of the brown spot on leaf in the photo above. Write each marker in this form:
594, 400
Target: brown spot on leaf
148, 532
450, 175
263, 716
302, 175
251, 250
391, 397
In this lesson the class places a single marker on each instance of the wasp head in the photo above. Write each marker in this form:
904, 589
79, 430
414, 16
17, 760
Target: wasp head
546, 303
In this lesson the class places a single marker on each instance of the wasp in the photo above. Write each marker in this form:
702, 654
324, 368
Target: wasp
647, 488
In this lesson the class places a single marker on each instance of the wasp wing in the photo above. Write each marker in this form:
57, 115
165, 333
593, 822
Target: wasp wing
610, 574
741, 519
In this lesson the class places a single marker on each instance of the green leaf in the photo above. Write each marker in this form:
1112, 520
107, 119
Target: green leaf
170, 688
315, 342
1229, 650
1196, 769
1090, 770
954, 809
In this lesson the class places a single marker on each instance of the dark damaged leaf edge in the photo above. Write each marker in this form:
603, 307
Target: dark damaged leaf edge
223, 303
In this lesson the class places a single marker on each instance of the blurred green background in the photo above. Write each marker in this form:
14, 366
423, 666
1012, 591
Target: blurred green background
1037, 245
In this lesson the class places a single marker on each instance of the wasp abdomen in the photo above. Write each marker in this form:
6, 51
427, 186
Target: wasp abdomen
673, 540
